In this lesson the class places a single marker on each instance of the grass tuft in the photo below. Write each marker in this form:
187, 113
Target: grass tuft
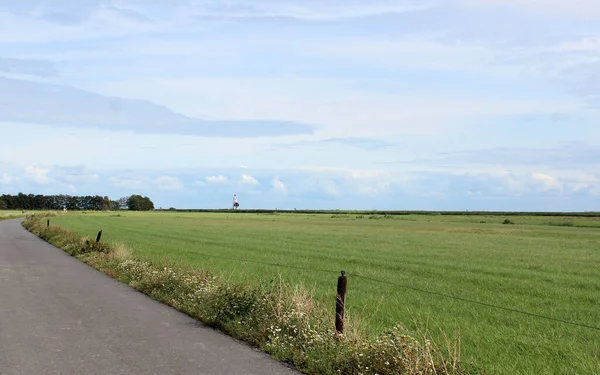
561, 223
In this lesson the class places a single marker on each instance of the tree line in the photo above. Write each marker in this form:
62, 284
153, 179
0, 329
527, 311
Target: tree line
80, 203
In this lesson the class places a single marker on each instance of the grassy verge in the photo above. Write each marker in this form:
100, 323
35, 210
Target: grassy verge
280, 319
7, 215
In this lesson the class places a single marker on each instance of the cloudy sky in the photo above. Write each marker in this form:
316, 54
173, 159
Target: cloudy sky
380, 104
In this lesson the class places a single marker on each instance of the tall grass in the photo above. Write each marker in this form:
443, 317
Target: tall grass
7, 215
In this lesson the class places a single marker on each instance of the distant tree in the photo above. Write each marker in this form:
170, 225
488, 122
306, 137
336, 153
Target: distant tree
124, 203
60, 202
139, 203
105, 204
54, 202
72, 203
97, 203
148, 204
133, 203
115, 206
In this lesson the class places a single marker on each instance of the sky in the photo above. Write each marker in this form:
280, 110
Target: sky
329, 104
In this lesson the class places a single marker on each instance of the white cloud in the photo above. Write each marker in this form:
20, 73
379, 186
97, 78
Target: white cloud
334, 105
426, 51
339, 182
175, 151
168, 183
331, 188
577, 181
368, 190
349, 173
7, 179
220, 179
579, 44
279, 185
312, 9
37, 174
127, 183
248, 180
589, 9
94, 22
548, 182
520, 181
81, 178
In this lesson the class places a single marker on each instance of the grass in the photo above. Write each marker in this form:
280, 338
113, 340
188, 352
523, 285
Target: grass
7, 215
15, 214
279, 318
533, 265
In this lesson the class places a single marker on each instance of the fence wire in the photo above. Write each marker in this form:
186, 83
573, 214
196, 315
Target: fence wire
476, 302
408, 287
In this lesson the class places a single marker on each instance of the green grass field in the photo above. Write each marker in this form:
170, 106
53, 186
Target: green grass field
543, 265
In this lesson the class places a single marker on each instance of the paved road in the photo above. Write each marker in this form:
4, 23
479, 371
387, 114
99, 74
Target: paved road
60, 316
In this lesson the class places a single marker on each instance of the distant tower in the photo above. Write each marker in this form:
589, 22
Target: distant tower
236, 205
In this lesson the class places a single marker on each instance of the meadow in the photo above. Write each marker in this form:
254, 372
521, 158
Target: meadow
542, 265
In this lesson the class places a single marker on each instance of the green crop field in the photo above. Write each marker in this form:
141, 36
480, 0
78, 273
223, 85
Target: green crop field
542, 265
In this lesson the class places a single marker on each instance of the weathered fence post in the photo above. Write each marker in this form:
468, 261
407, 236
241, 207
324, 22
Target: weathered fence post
98, 237
340, 303
48, 223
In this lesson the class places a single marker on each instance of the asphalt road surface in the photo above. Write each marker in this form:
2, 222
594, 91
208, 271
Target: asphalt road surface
60, 316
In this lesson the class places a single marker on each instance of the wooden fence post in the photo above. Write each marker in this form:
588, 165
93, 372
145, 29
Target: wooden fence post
340, 303
48, 223
98, 237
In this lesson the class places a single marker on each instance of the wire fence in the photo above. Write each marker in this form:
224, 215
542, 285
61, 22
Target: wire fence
467, 300
408, 287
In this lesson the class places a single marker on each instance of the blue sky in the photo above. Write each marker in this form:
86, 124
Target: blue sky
382, 104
